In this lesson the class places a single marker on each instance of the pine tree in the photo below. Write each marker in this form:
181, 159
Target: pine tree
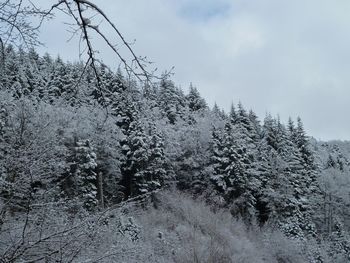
31, 71
302, 143
123, 107
256, 132
289, 202
195, 101
243, 120
60, 81
144, 167
137, 154
111, 86
217, 112
46, 71
340, 243
150, 93
171, 101
156, 172
232, 175
218, 161
12, 73
233, 115
80, 179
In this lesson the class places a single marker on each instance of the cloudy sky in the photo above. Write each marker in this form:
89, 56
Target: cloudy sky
290, 58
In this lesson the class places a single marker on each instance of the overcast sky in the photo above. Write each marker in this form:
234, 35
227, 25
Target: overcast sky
290, 58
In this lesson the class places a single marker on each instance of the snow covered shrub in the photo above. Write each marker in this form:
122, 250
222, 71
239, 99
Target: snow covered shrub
187, 230
281, 248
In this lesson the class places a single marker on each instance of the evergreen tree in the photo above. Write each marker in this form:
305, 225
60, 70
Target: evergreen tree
340, 244
233, 115
80, 179
60, 80
156, 172
232, 176
289, 204
46, 70
12, 72
136, 154
256, 132
123, 107
302, 143
195, 101
218, 113
171, 101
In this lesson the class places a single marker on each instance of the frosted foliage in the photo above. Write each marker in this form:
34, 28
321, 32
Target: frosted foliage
85, 158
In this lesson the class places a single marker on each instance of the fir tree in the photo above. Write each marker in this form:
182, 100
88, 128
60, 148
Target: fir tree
80, 179
217, 112
232, 176
137, 153
195, 101
171, 101
156, 172
233, 114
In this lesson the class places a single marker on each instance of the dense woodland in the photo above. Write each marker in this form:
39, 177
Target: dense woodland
113, 170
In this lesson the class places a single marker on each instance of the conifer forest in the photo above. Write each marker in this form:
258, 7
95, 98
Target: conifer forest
102, 165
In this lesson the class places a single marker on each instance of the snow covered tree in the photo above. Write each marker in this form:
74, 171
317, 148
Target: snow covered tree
339, 244
218, 113
286, 192
123, 107
145, 167
256, 132
135, 151
60, 79
195, 101
13, 73
80, 178
232, 176
156, 173
233, 114
276, 195
244, 121
171, 101
302, 143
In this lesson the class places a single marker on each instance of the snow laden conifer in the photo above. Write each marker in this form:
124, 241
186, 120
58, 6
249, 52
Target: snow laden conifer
218, 161
43, 79
195, 101
155, 174
158, 170
233, 178
145, 167
59, 79
35, 73
171, 101
13, 73
137, 153
112, 86
283, 194
308, 187
218, 113
340, 243
80, 179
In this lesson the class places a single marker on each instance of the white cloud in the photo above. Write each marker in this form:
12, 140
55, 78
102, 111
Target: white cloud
234, 35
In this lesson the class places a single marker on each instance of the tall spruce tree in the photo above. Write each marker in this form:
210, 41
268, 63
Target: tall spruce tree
195, 101
171, 101
80, 179
232, 176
